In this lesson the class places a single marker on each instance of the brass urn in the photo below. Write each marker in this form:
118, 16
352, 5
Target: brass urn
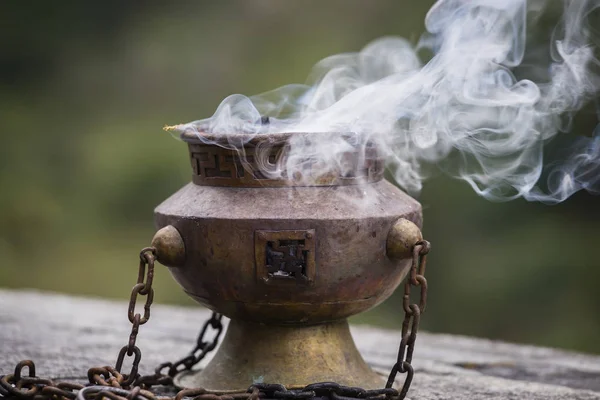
286, 262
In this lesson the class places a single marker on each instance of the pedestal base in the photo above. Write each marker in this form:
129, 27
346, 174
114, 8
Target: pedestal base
290, 355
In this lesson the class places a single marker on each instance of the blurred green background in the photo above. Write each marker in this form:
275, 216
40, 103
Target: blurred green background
85, 88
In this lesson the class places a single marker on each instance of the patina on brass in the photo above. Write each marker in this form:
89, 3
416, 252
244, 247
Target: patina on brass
253, 352
401, 239
287, 263
169, 247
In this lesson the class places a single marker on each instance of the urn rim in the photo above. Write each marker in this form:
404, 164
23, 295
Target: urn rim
240, 139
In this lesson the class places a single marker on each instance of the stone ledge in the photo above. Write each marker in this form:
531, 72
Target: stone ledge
66, 335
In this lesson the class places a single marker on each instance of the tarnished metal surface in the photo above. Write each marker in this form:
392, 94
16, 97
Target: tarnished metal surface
301, 354
274, 252
232, 160
402, 238
217, 166
169, 247
353, 273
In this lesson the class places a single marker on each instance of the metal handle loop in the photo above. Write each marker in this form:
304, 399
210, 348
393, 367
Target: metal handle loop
137, 290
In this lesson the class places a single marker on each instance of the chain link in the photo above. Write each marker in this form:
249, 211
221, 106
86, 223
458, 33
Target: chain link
202, 347
143, 287
109, 383
412, 317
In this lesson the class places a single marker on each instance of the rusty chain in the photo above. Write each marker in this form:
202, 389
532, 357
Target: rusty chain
201, 350
412, 317
109, 383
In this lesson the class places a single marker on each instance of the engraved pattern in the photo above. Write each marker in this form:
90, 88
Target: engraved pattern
217, 166
286, 259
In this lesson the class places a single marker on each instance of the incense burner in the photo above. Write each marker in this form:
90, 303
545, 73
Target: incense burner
287, 263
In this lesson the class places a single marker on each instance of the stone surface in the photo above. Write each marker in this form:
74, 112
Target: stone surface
66, 335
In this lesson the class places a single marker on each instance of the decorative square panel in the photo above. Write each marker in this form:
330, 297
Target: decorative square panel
285, 256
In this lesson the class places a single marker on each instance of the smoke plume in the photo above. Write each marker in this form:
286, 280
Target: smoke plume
482, 108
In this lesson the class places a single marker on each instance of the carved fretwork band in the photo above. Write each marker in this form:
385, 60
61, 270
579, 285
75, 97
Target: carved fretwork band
217, 166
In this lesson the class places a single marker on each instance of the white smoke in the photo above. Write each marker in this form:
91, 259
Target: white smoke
465, 104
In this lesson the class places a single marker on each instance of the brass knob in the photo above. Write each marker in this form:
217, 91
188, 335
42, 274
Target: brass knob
170, 249
401, 239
